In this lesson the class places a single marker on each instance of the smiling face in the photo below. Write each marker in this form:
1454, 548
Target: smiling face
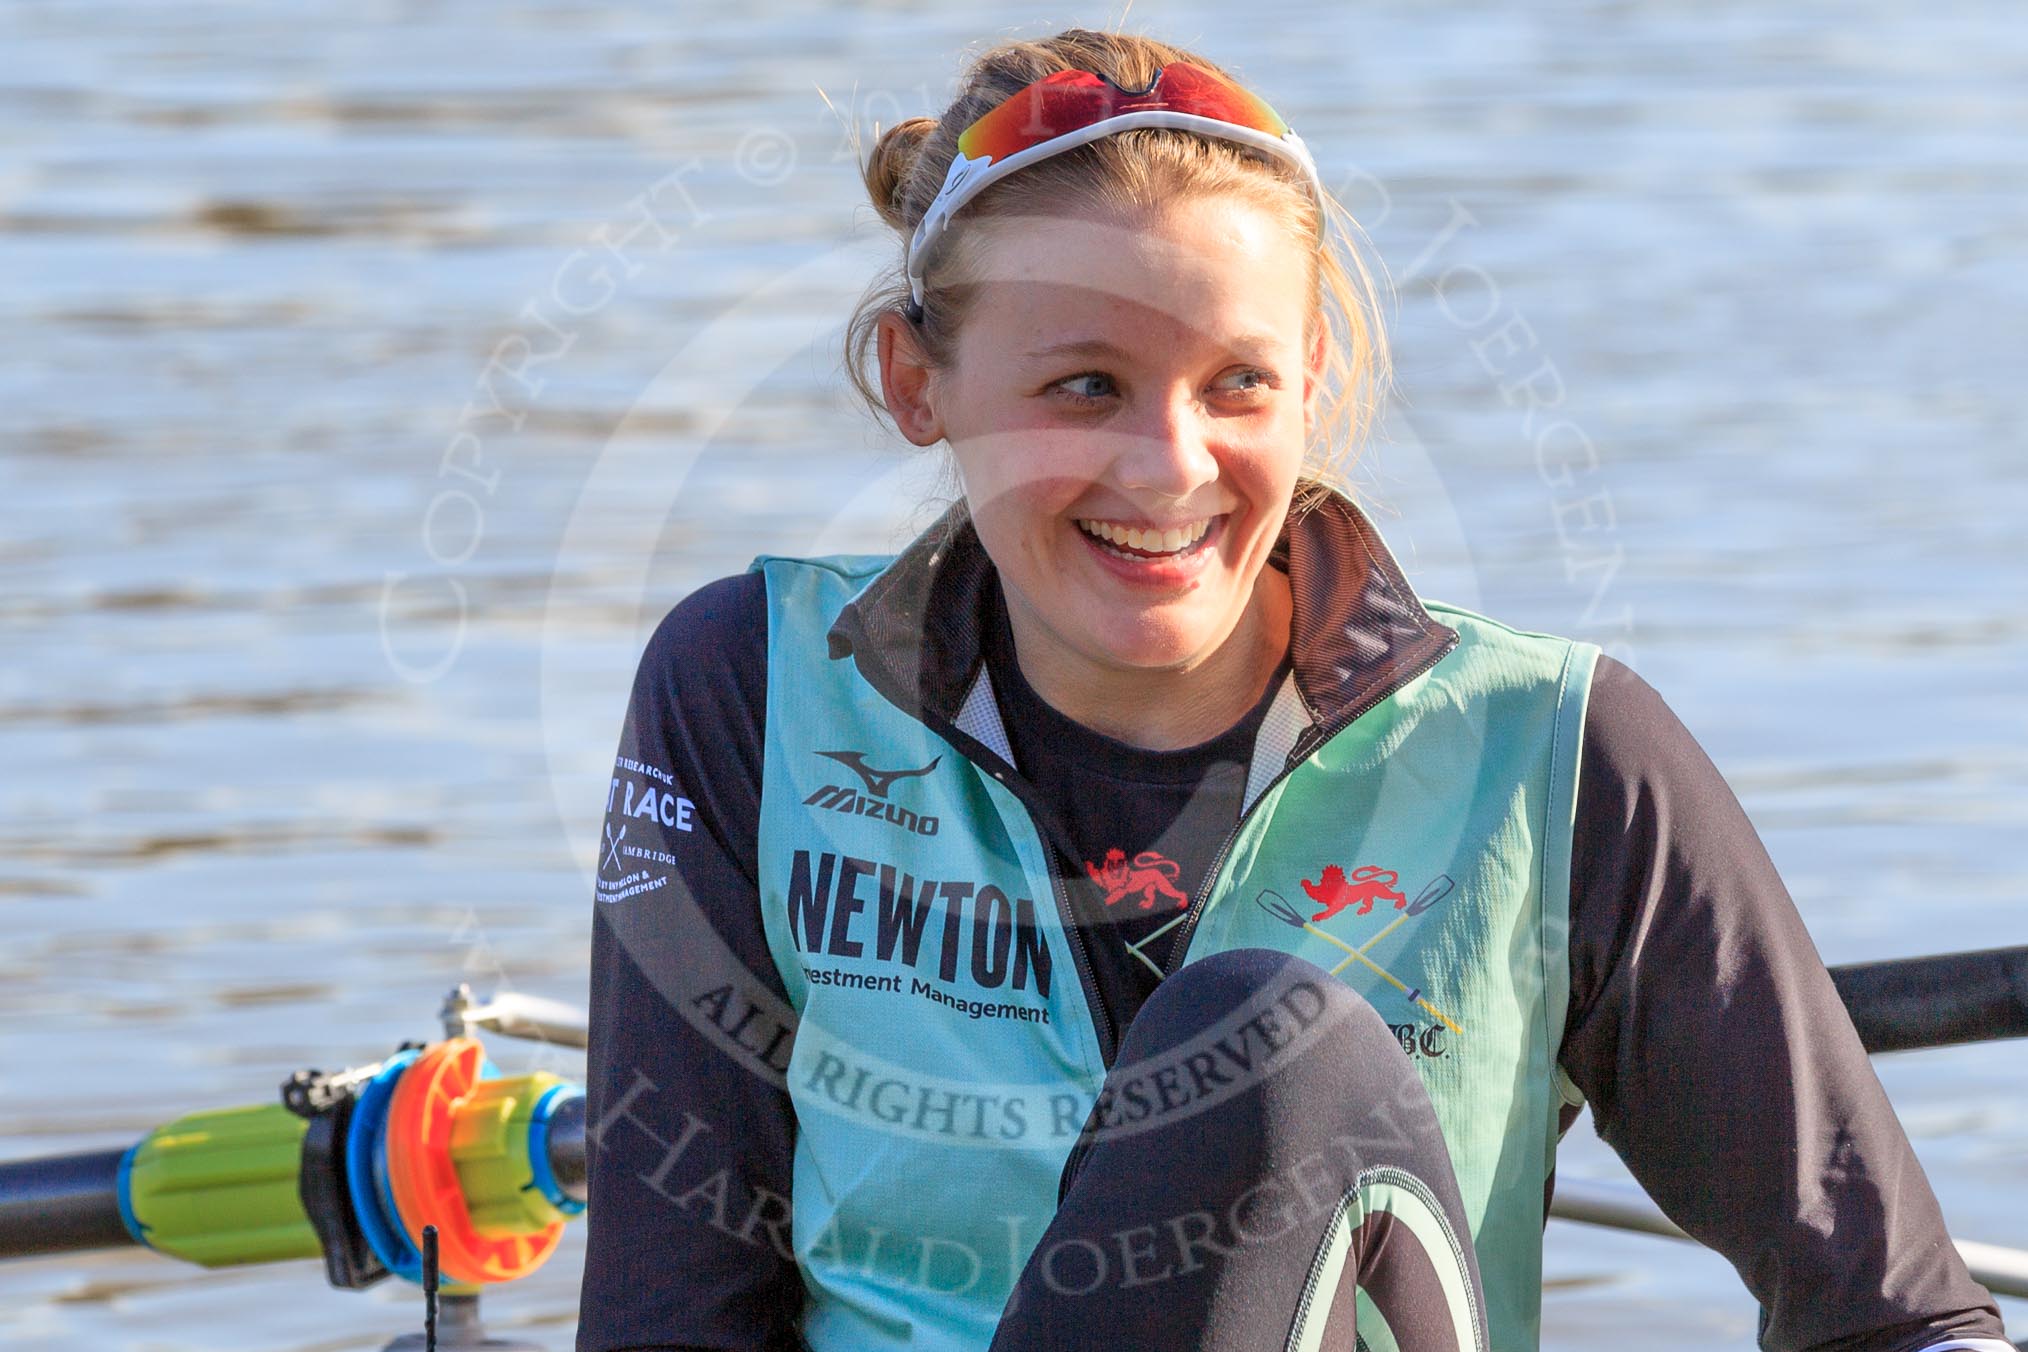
1128, 405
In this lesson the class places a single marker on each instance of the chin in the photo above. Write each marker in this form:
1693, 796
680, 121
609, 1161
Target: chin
1151, 641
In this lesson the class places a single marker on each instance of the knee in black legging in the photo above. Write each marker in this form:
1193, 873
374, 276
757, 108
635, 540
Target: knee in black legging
1282, 996
1309, 1059
1257, 1103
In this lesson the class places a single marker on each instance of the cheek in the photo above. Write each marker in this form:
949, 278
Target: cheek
1267, 465
1025, 475
1020, 519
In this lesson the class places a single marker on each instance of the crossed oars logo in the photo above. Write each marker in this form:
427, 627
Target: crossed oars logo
1277, 906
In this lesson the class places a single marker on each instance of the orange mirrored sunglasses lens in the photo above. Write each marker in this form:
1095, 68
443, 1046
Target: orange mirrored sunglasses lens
1073, 99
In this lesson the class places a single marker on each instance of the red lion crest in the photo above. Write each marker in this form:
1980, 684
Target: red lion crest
1367, 885
1149, 874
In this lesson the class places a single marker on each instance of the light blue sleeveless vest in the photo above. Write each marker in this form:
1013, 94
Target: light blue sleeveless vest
948, 1056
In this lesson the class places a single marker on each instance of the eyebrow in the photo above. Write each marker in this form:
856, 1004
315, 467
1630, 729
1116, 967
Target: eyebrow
1253, 347
1078, 347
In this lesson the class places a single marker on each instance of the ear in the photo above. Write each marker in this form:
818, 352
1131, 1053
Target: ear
1313, 371
905, 381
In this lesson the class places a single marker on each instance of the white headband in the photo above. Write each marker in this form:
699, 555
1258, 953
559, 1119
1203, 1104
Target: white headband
968, 178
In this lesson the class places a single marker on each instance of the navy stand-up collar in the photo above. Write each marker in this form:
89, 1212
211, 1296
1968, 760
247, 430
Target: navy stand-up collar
1357, 629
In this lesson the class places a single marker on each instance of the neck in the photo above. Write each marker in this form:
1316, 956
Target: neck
1161, 709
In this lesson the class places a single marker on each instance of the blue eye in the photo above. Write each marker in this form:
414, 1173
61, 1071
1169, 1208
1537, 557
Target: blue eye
1096, 386
1256, 379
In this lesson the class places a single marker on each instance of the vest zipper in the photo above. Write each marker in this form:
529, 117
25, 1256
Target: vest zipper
1094, 998
1305, 746
1010, 779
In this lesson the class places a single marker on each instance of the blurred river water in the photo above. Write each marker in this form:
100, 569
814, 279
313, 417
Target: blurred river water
376, 376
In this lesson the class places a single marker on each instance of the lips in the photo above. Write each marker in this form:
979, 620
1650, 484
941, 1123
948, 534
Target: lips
1169, 556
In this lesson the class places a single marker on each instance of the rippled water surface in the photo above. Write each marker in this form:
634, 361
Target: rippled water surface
375, 376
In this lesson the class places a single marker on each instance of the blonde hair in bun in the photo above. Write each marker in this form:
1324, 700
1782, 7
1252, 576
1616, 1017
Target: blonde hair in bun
888, 167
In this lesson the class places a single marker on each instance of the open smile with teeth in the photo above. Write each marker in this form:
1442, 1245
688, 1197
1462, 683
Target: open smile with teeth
1146, 542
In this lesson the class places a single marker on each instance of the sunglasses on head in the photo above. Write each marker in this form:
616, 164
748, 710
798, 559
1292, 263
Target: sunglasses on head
1076, 107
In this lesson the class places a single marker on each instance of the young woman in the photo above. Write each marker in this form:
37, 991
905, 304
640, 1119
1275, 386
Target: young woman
1131, 917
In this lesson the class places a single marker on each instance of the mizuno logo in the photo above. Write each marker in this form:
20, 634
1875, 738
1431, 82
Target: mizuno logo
873, 802
878, 782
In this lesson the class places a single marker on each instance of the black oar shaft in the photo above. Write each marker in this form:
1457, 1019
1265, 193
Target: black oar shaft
65, 1203
1900, 1005
61, 1204
1941, 1001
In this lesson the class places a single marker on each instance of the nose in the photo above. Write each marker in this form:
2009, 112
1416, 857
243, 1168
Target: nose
1167, 453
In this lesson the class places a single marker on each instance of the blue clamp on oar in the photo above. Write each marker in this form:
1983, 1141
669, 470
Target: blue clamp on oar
538, 1149
366, 1172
